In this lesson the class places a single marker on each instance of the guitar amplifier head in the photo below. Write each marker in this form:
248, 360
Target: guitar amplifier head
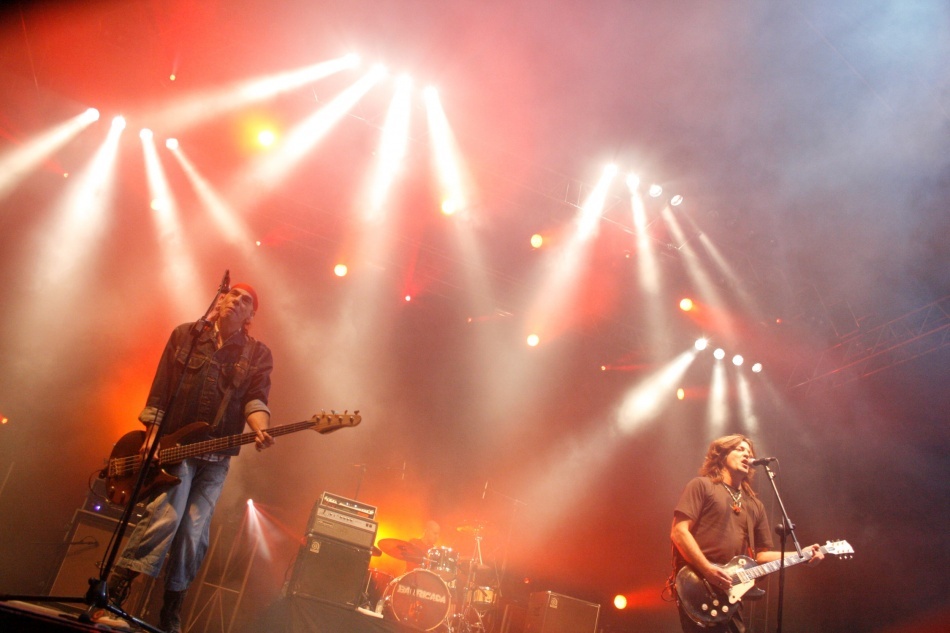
342, 526
347, 506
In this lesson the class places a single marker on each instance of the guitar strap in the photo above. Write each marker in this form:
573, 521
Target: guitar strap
240, 375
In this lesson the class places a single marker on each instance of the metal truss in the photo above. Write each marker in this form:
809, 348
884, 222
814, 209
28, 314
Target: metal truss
910, 336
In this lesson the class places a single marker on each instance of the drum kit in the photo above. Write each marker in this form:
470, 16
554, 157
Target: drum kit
444, 592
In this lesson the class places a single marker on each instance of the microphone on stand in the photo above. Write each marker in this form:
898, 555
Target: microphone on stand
485, 489
762, 461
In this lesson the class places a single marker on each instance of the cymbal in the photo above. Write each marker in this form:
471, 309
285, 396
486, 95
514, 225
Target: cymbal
465, 565
402, 550
473, 527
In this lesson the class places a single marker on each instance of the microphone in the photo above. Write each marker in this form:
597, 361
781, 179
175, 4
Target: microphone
485, 490
225, 282
762, 461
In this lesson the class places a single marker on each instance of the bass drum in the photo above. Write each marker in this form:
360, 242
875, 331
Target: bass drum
419, 599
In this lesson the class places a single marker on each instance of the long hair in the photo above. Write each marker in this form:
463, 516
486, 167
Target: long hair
715, 462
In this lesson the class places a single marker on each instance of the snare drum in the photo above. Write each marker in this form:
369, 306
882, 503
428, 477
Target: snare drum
419, 599
483, 598
442, 561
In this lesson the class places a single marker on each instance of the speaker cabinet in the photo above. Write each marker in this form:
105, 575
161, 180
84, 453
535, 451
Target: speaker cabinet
331, 571
85, 551
550, 612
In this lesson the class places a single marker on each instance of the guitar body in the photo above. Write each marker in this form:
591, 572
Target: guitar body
125, 463
706, 605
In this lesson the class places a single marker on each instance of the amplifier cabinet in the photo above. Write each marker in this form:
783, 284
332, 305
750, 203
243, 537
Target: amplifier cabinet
331, 571
550, 612
84, 552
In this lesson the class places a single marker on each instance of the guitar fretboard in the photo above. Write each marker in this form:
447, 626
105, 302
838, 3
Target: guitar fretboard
751, 573
215, 445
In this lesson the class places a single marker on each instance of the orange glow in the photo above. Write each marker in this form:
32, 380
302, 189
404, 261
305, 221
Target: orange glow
643, 598
620, 601
4, 419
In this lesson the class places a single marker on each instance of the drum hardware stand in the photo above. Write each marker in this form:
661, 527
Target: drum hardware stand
461, 622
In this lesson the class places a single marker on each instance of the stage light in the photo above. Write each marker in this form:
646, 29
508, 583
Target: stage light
620, 601
680, 394
340, 270
91, 115
676, 200
655, 191
172, 77
118, 122
633, 181
686, 304
737, 360
172, 144
4, 419
157, 204
719, 354
145, 134
533, 340
266, 137
351, 60
701, 344
451, 206
756, 368
250, 503
409, 298
536, 240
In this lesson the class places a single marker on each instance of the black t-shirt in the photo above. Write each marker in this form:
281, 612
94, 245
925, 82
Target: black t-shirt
720, 532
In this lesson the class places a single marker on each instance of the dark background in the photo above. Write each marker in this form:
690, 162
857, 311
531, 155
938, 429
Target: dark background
809, 140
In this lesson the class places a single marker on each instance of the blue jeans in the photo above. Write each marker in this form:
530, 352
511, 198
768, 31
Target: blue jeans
178, 523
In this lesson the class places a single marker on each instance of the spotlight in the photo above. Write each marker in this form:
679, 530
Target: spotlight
537, 240
655, 191
680, 394
620, 601
145, 134
340, 270
172, 143
119, 122
533, 340
737, 360
91, 114
633, 181
719, 354
686, 304
250, 503
756, 368
408, 298
676, 200
451, 206
701, 344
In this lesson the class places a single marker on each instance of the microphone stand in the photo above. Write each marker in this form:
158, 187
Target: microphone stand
783, 529
97, 597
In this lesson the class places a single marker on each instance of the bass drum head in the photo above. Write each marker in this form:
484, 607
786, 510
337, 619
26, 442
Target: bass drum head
419, 599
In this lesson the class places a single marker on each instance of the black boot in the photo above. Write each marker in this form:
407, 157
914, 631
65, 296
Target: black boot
169, 619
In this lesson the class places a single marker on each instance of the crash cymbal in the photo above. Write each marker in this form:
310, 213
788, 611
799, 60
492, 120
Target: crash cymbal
402, 550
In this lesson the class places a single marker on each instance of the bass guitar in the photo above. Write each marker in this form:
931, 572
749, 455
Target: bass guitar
192, 440
707, 605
